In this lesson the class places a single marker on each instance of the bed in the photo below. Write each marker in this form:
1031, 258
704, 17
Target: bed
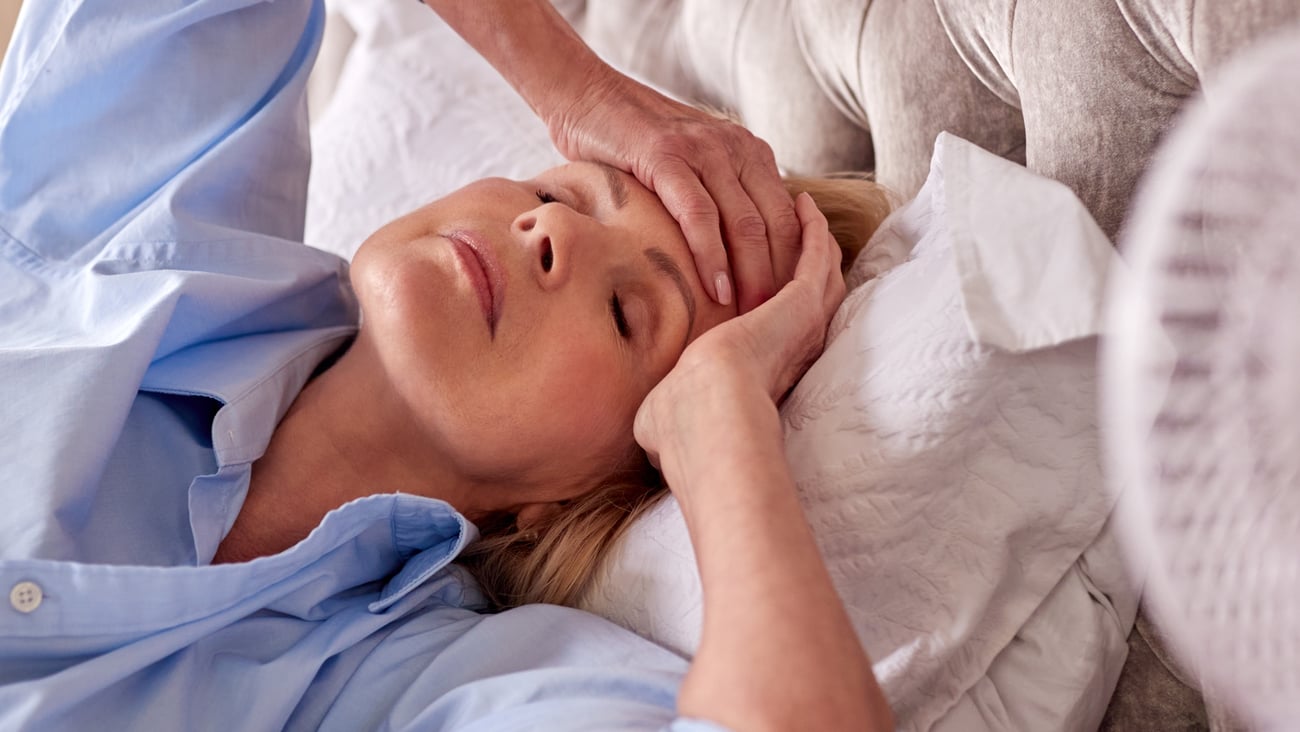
946, 444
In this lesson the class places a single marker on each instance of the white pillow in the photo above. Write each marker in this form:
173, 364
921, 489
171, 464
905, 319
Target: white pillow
951, 472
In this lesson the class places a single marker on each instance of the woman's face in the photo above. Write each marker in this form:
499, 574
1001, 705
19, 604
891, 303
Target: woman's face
524, 322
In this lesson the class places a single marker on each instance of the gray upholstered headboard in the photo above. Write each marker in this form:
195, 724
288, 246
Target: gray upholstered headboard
1079, 90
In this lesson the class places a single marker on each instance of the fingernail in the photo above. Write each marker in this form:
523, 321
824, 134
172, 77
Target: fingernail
722, 286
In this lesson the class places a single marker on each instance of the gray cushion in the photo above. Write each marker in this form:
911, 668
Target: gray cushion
1080, 90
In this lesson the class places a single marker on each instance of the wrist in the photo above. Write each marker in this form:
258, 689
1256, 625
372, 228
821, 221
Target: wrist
532, 46
738, 457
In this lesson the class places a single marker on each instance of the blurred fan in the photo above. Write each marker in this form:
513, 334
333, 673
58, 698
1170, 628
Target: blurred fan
1202, 385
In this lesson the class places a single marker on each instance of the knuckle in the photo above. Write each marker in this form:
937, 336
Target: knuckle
670, 156
748, 229
762, 152
698, 212
676, 145
663, 163
837, 255
784, 227
786, 217
747, 135
802, 301
837, 289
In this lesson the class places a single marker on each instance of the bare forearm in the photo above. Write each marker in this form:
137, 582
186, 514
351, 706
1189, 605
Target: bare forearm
777, 650
531, 45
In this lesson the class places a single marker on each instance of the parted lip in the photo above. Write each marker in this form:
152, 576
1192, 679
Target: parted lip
484, 271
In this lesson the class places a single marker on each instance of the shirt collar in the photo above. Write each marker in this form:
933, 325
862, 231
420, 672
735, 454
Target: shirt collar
434, 532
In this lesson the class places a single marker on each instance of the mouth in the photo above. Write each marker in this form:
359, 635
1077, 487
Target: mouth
484, 273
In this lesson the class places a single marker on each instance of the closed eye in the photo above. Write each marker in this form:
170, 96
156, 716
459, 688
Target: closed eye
545, 197
620, 319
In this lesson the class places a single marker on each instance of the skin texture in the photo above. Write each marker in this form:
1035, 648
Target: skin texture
717, 180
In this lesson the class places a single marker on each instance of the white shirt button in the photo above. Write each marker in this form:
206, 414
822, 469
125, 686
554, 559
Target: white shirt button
26, 596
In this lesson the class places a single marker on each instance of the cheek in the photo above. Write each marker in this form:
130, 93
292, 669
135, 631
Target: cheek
389, 278
412, 306
549, 410
579, 395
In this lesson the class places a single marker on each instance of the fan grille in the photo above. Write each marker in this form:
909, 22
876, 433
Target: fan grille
1204, 385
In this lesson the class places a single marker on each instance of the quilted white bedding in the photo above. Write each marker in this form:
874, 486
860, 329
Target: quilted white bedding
945, 444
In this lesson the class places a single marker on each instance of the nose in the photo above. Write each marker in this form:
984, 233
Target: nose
547, 233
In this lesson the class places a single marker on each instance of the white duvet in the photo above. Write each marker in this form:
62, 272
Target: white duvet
945, 444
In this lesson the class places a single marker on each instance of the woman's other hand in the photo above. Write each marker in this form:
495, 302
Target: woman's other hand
777, 649
722, 393
715, 178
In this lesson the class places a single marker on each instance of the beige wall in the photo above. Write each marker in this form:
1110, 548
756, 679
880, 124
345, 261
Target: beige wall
8, 14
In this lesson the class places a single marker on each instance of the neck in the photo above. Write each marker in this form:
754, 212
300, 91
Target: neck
347, 435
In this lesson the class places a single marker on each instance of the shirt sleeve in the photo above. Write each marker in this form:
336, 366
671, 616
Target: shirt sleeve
165, 119
540, 668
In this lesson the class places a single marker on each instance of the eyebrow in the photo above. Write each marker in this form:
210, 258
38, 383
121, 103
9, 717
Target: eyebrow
665, 264
617, 188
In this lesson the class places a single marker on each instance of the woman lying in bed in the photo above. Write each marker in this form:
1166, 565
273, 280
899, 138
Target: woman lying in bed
191, 386
512, 332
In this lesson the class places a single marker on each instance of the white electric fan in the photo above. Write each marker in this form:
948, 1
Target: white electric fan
1201, 384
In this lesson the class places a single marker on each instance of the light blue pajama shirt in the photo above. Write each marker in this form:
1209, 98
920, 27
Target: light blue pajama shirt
158, 315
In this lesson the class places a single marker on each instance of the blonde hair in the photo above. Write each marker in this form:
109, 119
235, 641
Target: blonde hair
554, 559
854, 206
